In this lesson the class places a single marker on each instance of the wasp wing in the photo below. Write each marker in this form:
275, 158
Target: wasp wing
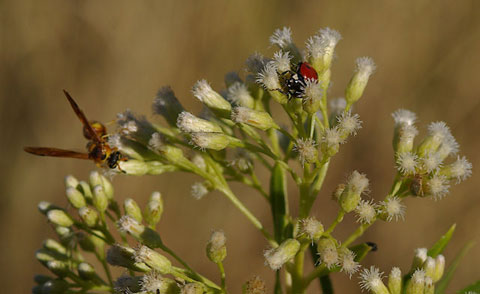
82, 118
55, 152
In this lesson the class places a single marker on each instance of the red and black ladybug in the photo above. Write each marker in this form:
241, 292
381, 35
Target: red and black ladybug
294, 82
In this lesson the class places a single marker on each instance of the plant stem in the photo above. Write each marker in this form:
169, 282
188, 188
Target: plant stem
222, 275
338, 220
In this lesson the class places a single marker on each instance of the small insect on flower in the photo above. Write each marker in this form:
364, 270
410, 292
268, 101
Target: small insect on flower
293, 83
98, 149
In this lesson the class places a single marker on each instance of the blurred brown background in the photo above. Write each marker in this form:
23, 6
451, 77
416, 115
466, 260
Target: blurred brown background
114, 55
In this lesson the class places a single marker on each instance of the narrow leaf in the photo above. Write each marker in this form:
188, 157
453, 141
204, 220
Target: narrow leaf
278, 201
438, 247
442, 285
475, 287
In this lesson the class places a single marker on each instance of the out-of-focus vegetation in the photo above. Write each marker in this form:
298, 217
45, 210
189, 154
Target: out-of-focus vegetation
114, 55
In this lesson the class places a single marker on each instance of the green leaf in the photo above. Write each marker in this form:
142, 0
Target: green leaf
442, 285
278, 201
475, 287
438, 247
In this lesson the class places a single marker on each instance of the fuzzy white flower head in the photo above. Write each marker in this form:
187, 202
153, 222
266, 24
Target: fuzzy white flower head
438, 186
396, 273
268, 77
153, 282
358, 182
332, 137
365, 67
127, 122
348, 263
329, 257
312, 90
277, 257
461, 169
418, 276
281, 37
199, 190
449, 147
189, 123
238, 93
366, 212
408, 132
129, 225
311, 227
421, 254
439, 130
404, 117
371, 280
349, 123
393, 208
407, 163
431, 161
199, 161
324, 43
281, 61
306, 149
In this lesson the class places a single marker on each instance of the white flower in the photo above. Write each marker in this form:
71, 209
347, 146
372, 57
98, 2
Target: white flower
268, 77
407, 163
404, 117
365, 212
281, 37
393, 208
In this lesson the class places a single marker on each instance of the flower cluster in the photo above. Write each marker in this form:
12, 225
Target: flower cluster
234, 137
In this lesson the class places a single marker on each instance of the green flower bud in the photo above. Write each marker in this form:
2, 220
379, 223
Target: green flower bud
140, 168
107, 187
439, 268
95, 179
321, 48
216, 247
214, 141
277, 257
395, 281
59, 218
100, 200
327, 249
416, 284
364, 69
419, 258
75, 197
255, 118
71, 181
89, 216
86, 271
429, 267
44, 255
64, 233
92, 243
350, 197
58, 267
189, 123
154, 209
204, 92
153, 259
132, 209
429, 286
42, 279
44, 207
84, 188
54, 246
438, 134
172, 154
56, 286
141, 233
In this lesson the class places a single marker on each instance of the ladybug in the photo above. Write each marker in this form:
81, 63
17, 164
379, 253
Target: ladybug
293, 82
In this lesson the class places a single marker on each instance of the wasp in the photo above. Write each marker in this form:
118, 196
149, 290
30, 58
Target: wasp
98, 149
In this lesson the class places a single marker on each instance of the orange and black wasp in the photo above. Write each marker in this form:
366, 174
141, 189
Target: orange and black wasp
98, 149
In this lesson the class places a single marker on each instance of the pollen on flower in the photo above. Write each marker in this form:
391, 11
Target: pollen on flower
404, 117
348, 263
438, 186
349, 123
281, 61
371, 279
366, 212
238, 93
393, 208
407, 163
312, 90
268, 77
306, 149
461, 169
281, 37
199, 190
365, 66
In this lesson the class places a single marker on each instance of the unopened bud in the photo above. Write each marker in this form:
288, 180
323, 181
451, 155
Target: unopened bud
204, 92
429, 286
59, 218
429, 267
56, 286
255, 118
89, 216
192, 288
416, 285
58, 267
75, 197
439, 268
100, 200
71, 181
216, 247
276, 257
153, 259
141, 233
395, 281
54, 246
364, 69
419, 258
131, 208
357, 183
86, 271
321, 47
44, 207
214, 141
95, 179
84, 188
189, 123
154, 209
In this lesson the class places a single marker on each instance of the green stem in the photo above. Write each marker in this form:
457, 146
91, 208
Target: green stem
105, 268
297, 274
338, 220
355, 235
222, 275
